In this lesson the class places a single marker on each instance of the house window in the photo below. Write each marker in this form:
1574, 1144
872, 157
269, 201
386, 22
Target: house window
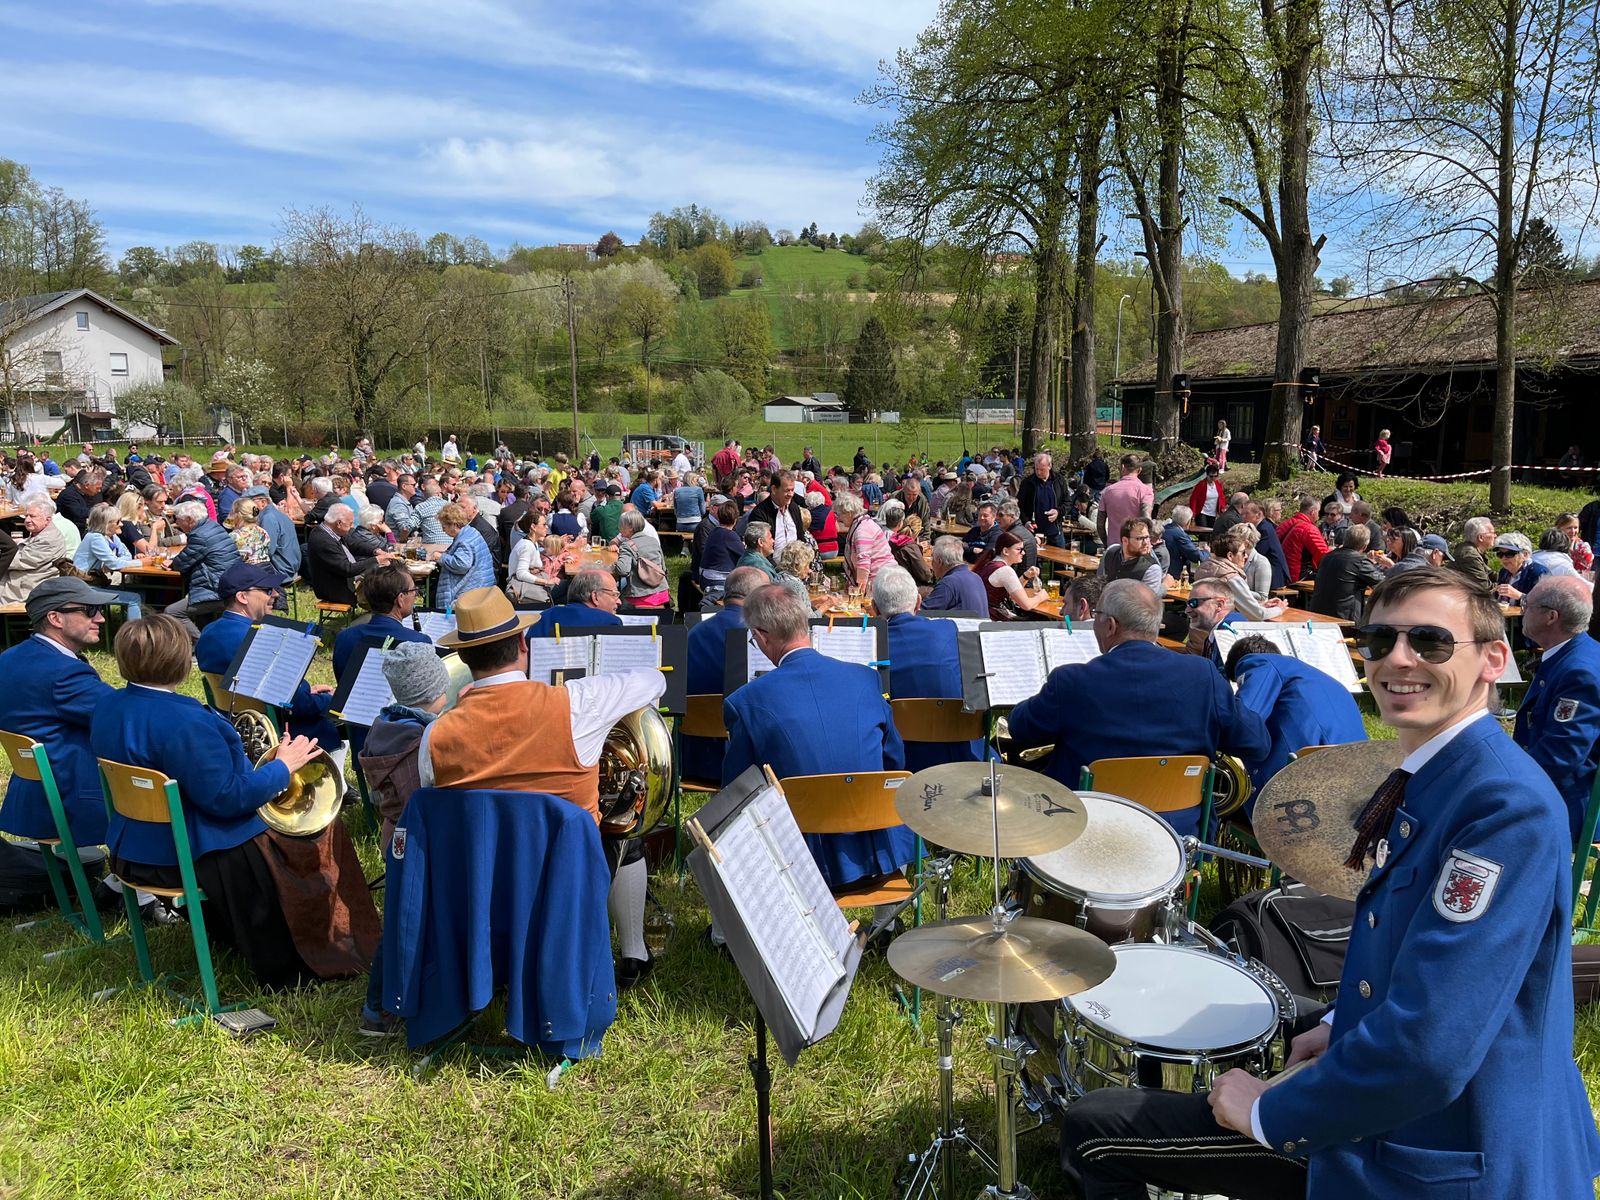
50, 364
83, 320
119, 364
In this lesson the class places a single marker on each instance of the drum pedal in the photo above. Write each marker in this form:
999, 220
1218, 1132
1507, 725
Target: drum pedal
243, 1022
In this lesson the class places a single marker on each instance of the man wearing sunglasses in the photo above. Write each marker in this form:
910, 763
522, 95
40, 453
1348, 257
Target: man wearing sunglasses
1446, 1066
1559, 722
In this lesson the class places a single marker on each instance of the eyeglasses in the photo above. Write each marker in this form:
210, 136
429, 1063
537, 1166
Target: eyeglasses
1197, 601
1508, 553
1430, 643
88, 610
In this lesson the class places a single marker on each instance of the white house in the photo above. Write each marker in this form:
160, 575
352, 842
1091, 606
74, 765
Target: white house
64, 356
819, 406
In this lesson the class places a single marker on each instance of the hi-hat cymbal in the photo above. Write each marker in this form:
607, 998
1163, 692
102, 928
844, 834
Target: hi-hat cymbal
1028, 960
1305, 815
949, 806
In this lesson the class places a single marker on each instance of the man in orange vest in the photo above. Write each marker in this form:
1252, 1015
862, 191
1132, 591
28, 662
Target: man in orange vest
516, 734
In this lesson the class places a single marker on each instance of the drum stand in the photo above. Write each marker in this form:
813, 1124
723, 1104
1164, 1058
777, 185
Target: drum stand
938, 1160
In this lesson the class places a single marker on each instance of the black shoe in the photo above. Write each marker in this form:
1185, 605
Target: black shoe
383, 1025
154, 912
713, 945
633, 971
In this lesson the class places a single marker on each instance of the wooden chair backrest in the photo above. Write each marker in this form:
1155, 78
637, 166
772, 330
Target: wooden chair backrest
855, 803
703, 717
20, 748
934, 719
1162, 783
138, 793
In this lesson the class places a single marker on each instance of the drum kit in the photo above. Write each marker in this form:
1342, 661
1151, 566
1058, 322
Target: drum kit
1094, 975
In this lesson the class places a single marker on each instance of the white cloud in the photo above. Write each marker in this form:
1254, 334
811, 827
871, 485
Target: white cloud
844, 35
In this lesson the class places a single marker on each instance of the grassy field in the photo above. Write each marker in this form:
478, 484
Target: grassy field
788, 269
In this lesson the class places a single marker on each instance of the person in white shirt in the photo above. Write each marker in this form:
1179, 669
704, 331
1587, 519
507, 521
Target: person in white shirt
450, 452
681, 464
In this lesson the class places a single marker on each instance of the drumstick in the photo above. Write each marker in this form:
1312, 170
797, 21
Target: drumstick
1290, 1072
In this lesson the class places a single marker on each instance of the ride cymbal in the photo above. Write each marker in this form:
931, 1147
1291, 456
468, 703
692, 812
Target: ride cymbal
951, 807
1305, 815
1026, 961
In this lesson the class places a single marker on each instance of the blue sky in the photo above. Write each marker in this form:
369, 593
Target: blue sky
511, 120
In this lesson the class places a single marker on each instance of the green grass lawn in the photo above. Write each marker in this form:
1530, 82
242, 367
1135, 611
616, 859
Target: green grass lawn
787, 269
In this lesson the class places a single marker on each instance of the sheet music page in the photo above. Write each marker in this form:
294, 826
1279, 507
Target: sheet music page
1274, 631
1062, 647
437, 624
756, 663
847, 643
1014, 664
612, 654
771, 807
964, 624
803, 968
552, 654
370, 694
275, 663
638, 618
1327, 652
1510, 674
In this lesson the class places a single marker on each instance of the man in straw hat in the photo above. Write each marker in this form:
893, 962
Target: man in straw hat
506, 731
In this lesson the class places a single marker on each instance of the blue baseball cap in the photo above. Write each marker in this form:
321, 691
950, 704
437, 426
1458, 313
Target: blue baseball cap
241, 577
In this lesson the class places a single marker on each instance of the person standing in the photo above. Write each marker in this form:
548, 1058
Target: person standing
1041, 497
1221, 442
1382, 451
1130, 496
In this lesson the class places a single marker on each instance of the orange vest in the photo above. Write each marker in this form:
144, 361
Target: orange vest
515, 737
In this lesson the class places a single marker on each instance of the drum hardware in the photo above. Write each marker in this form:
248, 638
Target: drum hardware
1008, 751
315, 793
1193, 846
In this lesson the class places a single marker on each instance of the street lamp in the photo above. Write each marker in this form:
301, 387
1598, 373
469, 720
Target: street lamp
1116, 370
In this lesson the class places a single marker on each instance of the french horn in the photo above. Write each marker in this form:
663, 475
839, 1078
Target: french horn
635, 775
1230, 785
315, 793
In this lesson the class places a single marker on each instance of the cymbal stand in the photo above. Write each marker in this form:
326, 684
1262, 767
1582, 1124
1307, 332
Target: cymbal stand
951, 1134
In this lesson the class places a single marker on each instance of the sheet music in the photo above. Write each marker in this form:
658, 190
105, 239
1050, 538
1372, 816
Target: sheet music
369, 694
964, 624
1327, 652
1062, 647
613, 654
847, 643
756, 663
781, 828
437, 624
1511, 674
557, 654
804, 969
638, 618
1014, 665
275, 663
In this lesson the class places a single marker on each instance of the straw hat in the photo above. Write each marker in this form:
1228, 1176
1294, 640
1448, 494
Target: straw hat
485, 615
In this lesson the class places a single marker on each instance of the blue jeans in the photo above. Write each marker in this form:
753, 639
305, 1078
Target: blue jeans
131, 599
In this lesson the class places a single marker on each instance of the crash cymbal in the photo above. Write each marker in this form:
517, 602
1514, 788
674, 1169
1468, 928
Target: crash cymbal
950, 806
1028, 960
1305, 815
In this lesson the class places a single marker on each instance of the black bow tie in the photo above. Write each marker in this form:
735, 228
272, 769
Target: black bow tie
1372, 825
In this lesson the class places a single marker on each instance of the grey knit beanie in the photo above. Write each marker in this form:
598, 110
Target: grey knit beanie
416, 675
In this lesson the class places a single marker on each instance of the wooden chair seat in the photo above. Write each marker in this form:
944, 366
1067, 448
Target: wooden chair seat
703, 717
880, 889
168, 893
935, 719
334, 608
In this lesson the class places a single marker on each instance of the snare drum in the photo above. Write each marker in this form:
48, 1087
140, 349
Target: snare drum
1114, 881
1171, 1018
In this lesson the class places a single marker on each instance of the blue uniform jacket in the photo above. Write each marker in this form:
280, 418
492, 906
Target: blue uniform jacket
923, 663
1135, 700
1559, 723
50, 697
571, 617
185, 740
369, 633
1450, 1071
708, 653
490, 890
308, 715
1301, 707
815, 715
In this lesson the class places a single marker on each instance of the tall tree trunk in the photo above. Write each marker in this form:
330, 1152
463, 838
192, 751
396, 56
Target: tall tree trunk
1081, 421
1042, 343
1505, 273
1296, 253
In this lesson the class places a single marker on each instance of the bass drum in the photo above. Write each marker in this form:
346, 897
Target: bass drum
1119, 880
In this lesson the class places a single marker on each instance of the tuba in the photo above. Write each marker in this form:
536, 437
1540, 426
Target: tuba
635, 775
315, 793
1230, 785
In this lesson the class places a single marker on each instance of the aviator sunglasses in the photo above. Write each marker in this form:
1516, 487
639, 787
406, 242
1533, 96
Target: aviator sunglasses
1430, 643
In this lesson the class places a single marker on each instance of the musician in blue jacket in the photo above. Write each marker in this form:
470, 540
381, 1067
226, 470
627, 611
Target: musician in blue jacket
1136, 699
248, 591
1446, 1067
922, 662
1559, 722
50, 694
390, 593
1300, 705
708, 656
332, 929
814, 715
592, 599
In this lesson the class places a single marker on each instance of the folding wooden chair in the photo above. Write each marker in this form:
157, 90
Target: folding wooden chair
857, 803
30, 761
702, 718
936, 720
1162, 783
140, 794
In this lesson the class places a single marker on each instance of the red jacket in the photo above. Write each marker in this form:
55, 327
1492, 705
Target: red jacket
1198, 498
1301, 537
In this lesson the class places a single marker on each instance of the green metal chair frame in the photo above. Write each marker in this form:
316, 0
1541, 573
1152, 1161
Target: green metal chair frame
141, 794
1583, 854
29, 760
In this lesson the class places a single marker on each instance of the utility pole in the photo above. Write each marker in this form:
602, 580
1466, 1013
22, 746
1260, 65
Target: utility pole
572, 351
1116, 370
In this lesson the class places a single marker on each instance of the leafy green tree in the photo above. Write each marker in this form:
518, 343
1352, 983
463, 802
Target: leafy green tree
713, 270
718, 404
608, 244
872, 385
247, 389
169, 407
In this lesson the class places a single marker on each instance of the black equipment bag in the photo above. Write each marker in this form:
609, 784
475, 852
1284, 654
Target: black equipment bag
1301, 934
24, 886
